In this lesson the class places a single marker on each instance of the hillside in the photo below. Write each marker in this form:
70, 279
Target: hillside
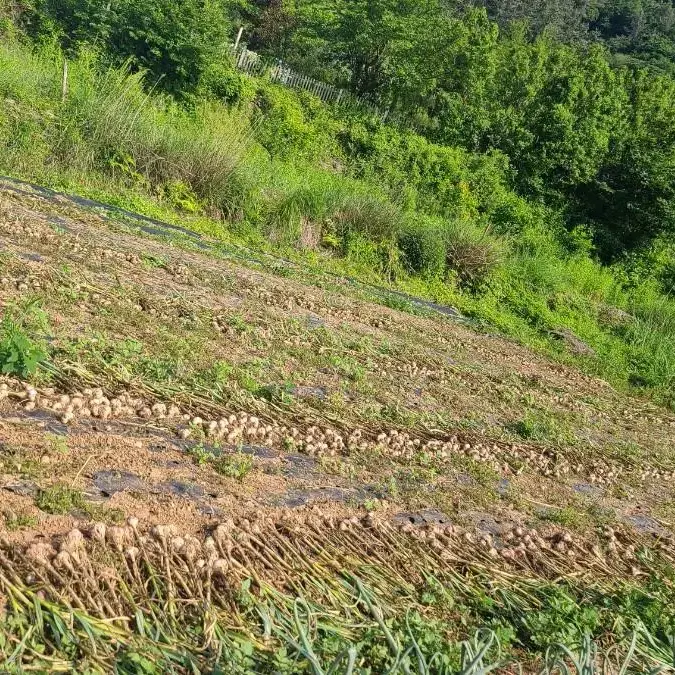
384, 384
319, 440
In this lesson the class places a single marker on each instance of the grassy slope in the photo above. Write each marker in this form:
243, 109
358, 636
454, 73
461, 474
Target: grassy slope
108, 140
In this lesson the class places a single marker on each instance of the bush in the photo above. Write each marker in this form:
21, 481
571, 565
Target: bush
329, 211
175, 43
443, 181
294, 124
224, 82
10, 15
21, 354
471, 252
422, 245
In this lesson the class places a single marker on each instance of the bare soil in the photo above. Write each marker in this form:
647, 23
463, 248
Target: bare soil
419, 418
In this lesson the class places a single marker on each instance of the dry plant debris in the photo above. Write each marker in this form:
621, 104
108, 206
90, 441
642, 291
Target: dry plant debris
121, 498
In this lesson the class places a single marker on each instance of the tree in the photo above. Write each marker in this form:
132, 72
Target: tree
569, 19
274, 27
73, 23
631, 200
361, 41
175, 42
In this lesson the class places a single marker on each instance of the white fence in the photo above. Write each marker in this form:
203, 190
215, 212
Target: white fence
254, 64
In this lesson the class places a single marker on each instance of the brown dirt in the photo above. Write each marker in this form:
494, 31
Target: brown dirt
370, 368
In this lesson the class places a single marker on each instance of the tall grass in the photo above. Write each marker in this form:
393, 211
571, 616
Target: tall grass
652, 336
111, 122
525, 276
120, 126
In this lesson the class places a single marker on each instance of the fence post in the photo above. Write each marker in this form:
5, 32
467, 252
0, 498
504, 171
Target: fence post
64, 81
238, 40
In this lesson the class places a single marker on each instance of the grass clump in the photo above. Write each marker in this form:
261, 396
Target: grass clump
568, 516
18, 521
456, 248
340, 218
143, 140
542, 427
56, 443
237, 465
60, 500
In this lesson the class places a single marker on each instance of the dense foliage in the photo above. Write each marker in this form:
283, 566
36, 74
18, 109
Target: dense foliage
541, 82
177, 43
530, 168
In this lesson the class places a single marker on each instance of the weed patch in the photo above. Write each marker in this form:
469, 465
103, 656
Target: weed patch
21, 353
18, 521
60, 500
542, 427
237, 465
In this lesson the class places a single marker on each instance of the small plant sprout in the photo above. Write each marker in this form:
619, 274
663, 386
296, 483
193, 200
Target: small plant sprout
237, 465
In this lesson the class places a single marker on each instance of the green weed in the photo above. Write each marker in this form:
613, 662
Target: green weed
60, 500
569, 517
21, 353
239, 323
542, 427
15, 460
201, 455
237, 465
347, 366
56, 443
151, 262
18, 521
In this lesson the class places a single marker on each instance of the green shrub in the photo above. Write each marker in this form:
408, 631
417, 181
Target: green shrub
422, 245
224, 82
294, 124
20, 353
175, 43
418, 174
